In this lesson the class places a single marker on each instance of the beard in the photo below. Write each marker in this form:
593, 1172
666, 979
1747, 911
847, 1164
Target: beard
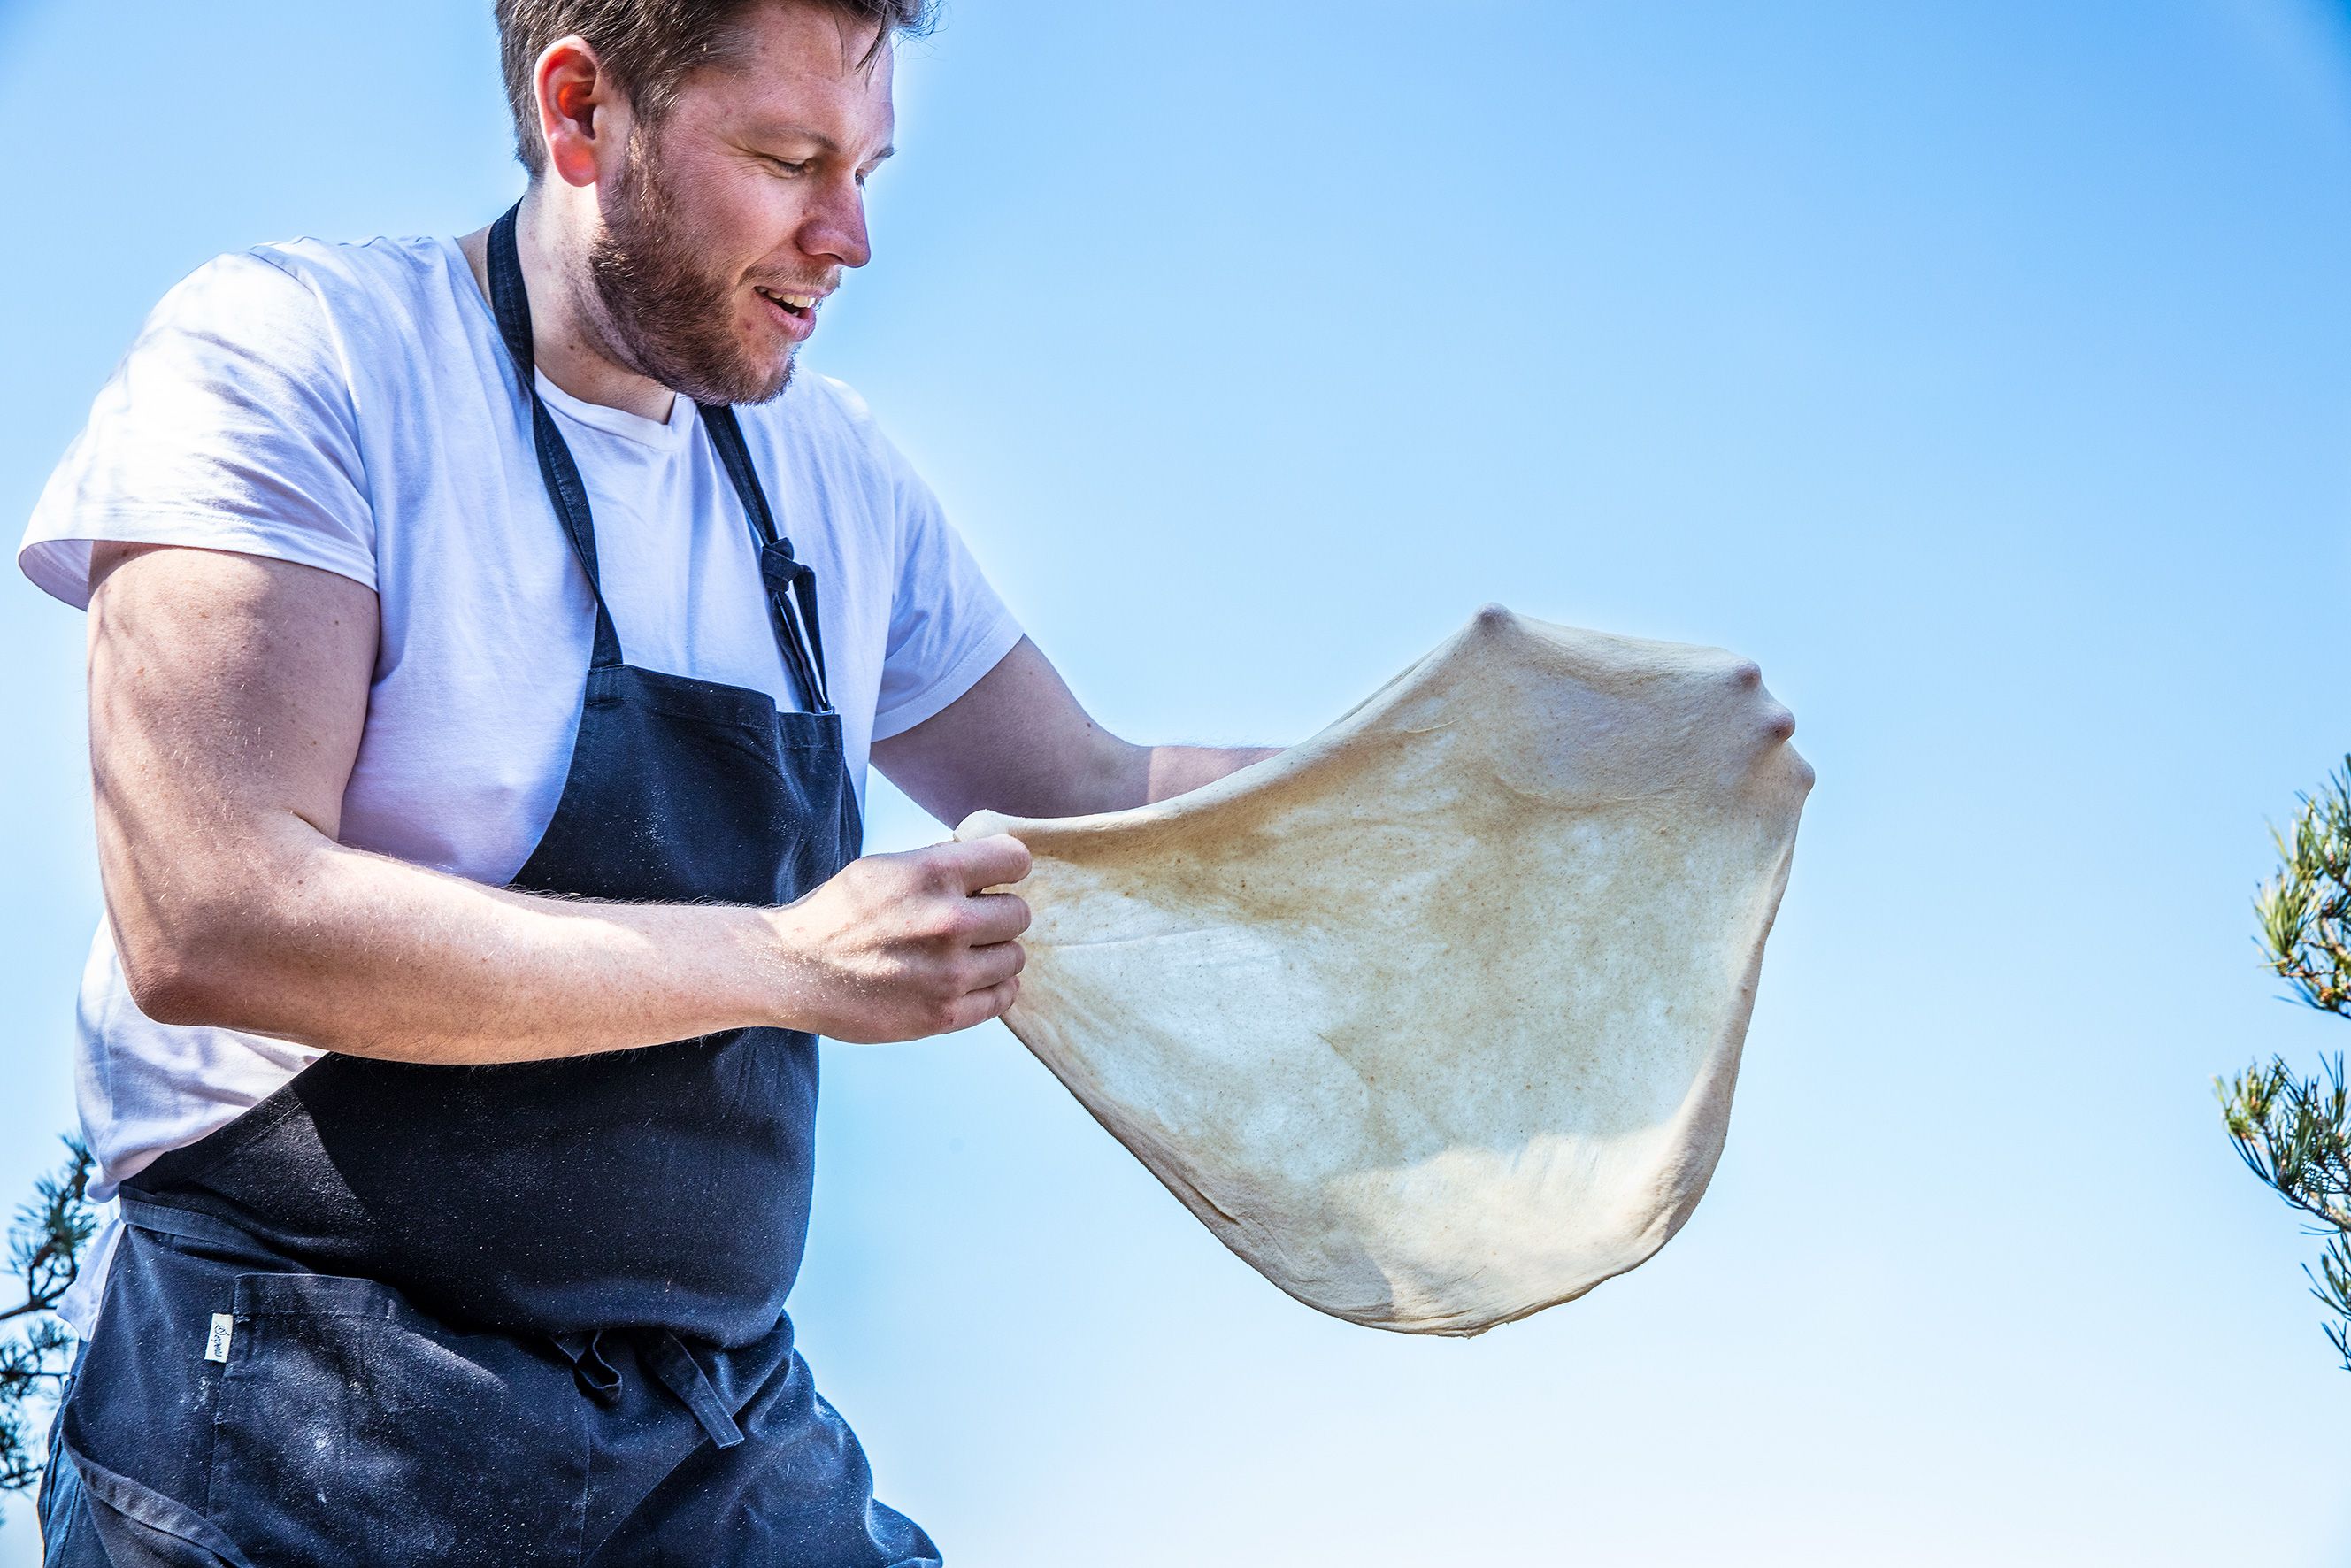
664, 315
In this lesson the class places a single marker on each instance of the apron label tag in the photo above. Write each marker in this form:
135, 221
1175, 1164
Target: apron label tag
216, 1342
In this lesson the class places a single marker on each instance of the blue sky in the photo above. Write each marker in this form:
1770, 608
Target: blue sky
1983, 370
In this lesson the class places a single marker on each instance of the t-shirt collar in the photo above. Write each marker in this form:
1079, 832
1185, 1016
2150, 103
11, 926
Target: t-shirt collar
671, 433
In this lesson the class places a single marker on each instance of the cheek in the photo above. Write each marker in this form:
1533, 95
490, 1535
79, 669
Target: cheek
719, 222
752, 222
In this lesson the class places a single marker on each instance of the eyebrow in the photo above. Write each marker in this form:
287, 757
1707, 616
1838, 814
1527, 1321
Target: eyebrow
802, 133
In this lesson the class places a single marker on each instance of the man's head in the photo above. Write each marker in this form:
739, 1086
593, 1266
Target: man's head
714, 153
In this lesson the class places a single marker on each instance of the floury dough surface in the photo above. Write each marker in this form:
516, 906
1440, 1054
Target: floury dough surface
1434, 1019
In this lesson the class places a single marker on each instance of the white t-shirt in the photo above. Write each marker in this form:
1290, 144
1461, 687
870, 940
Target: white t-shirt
352, 408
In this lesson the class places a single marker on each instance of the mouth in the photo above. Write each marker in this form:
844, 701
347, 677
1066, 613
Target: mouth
796, 313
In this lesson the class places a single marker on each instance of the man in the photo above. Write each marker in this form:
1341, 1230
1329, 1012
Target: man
488, 638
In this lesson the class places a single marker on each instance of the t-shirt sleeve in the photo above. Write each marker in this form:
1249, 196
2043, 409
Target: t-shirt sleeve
948, 627
229, 426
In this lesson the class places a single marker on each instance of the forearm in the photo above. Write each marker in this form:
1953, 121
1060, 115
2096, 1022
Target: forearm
1019, 742
1118, 776
361, 954
1171, 770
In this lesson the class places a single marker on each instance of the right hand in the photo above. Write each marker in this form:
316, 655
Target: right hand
901, 947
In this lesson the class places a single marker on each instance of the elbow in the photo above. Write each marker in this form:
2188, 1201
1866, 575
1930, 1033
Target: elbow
170, 987
192, 976
209, 916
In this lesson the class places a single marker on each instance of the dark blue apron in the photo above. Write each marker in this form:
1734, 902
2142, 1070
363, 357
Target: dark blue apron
526, 1313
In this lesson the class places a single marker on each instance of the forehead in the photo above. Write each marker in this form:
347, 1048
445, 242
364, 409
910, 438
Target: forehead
797, 65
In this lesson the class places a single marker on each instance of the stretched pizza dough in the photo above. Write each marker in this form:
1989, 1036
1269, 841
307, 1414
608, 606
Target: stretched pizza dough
1434, 1019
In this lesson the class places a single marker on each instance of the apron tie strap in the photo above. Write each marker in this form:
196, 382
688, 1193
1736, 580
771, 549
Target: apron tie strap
598, 1378
683, 1375
671, 1364
186, 1224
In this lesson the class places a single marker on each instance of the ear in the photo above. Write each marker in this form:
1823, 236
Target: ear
577, 104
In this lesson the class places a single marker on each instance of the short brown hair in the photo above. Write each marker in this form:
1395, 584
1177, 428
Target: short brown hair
648, 46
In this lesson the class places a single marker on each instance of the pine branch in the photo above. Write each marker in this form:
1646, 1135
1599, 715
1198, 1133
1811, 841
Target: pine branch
2305, 910
2294, 1133
45, 1244
2332, 1285
44, 1249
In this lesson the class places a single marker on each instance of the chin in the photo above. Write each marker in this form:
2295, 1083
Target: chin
781, 378
748, 382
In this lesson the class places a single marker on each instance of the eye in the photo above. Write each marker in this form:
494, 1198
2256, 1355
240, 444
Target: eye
787, 167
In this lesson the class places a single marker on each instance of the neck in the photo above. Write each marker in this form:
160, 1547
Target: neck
553, 233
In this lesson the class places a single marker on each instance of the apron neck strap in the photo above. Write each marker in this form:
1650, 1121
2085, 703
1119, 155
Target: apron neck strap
556, 471
791, 585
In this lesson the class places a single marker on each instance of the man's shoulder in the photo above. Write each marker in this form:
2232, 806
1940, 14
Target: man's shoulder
821, 412
272, 296
388, 275
839, 397
311, 318
816, 402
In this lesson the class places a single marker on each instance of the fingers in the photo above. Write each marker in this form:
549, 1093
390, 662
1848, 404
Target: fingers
991, 917
977, 1007
991, 966
996, 862
998, 998
912, 944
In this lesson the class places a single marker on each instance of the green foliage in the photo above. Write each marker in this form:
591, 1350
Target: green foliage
45, 1247
2305, 909
2294, 1133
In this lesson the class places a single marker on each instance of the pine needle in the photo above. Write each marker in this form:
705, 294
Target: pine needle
45, 1249
2294, 1133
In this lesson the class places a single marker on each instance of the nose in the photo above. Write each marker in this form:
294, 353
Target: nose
835, 229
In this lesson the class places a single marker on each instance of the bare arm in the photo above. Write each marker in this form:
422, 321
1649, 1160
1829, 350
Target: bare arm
1019, 743
227, 697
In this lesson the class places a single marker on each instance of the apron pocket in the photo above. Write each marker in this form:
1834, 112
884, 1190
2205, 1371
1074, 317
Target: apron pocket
353, 1430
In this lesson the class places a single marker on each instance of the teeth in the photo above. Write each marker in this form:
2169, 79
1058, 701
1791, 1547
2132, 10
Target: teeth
796, 301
